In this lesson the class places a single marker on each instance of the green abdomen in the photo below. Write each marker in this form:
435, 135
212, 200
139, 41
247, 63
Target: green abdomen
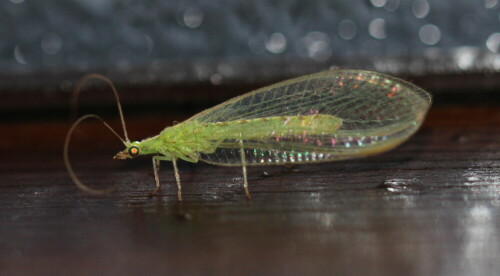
278, 126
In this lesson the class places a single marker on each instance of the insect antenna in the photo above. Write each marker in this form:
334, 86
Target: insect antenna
76, 92
67, 163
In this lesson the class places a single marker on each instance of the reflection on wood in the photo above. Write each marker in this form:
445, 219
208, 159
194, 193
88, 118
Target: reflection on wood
428, 207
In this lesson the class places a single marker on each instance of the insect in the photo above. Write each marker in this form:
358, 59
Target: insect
326, 116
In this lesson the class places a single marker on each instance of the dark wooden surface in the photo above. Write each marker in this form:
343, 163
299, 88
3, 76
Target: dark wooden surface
429, 207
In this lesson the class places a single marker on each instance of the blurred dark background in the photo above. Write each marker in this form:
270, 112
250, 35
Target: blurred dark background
162, 45
429, 207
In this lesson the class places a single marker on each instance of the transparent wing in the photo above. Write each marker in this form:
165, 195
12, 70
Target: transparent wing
378, 112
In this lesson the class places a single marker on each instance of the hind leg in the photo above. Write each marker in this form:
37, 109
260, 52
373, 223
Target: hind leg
244, 167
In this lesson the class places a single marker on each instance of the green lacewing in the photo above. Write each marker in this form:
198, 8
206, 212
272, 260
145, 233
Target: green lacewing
326, 116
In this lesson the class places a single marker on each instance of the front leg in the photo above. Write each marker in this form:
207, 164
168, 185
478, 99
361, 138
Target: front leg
156, 167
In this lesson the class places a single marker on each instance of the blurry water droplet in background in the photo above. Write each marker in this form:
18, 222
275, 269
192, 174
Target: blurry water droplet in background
51, 43
225, 70
465, 57
347, 29
193, 17
420, 8
391, 5
216, 79
150, 44
493, 42
377, 28
317, 45
257, 43
18, 55
489, 4
429, 34
276, 43
470, 24
378, 3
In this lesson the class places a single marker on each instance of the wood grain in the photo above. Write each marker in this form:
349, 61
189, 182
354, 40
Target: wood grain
429, 207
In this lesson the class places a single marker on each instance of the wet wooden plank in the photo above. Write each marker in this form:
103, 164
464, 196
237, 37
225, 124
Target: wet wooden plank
432, 206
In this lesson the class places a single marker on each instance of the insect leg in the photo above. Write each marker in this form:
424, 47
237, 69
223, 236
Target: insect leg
156, 168
244, 166
177, 179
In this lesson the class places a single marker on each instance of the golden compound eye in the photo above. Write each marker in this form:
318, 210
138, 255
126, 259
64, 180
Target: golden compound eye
133, 150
